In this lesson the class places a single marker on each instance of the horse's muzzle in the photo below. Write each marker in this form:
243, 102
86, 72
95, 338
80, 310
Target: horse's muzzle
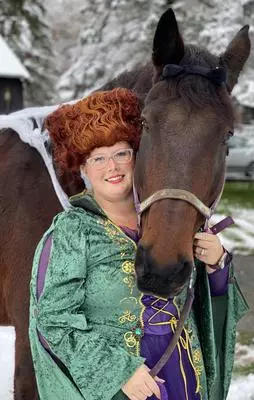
161, 280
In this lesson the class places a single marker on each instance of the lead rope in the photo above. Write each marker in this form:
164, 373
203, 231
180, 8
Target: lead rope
190, 294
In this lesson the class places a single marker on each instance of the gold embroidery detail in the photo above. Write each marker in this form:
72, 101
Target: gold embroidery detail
113, 232
130, 339
184, 341
127, 316
197, 356
129, 300
128, 267
132, 343
197, 366
129, 280
116, 234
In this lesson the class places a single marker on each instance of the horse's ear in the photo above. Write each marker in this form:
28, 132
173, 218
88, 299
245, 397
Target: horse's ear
236, 56
168, 46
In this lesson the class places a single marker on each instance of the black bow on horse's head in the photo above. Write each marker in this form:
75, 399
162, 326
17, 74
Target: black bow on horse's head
217, 75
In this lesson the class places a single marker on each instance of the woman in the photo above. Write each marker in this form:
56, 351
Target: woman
89, 339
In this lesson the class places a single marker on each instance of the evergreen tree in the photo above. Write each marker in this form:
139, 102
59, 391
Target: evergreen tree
23, 24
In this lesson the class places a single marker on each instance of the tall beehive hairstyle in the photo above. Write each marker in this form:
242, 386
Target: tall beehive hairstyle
101, 119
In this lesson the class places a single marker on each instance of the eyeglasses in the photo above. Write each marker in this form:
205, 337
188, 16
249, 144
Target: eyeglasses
100, 161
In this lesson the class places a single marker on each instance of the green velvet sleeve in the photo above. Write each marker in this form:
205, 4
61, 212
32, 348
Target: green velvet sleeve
98, 366
217, 318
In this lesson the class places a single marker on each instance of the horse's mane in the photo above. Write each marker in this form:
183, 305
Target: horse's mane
198, 91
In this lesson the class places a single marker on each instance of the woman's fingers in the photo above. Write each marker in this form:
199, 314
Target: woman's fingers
201, 251
208, 249
208, 237
157, 379
146, 391
152, 385
141, 385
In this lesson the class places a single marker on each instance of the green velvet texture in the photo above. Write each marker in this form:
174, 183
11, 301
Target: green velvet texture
218, 334
90, 306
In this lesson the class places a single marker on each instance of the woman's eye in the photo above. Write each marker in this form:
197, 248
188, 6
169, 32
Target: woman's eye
99, 160
121, 154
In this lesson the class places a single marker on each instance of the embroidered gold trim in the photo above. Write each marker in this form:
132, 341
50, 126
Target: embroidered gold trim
127, 317
128, 268
183, 343
197, 366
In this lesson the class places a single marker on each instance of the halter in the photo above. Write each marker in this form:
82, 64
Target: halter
218, 77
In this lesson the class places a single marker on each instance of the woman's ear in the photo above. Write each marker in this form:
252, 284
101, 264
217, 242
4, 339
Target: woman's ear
83, 169
83, 174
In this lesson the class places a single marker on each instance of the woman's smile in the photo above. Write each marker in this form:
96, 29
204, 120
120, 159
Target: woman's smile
115, 179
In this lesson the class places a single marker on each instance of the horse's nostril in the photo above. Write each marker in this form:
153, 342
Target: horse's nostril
139, 260
142, 260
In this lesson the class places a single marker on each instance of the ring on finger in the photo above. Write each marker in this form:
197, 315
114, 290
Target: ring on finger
203, 252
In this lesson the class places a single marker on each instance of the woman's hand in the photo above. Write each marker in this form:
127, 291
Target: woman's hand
141, 385
208, 249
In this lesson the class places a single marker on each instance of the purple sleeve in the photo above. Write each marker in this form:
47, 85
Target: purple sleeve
218, 281
43, 265
41, 274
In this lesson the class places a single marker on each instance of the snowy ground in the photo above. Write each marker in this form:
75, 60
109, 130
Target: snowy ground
242, 388
238, 238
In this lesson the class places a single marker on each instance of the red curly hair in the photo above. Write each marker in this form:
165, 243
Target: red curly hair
101, 119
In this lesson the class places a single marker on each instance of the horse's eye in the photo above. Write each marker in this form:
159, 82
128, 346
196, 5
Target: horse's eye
226, 141
144, 124
227, 137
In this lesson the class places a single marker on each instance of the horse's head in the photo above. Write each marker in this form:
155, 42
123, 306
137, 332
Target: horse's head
187, 120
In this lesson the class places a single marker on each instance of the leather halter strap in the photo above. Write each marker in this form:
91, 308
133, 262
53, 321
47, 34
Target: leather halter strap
178, 194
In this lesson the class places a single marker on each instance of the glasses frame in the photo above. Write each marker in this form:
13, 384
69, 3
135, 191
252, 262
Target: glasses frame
90, 160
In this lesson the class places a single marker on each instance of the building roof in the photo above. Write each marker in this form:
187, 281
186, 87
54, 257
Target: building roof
10, 65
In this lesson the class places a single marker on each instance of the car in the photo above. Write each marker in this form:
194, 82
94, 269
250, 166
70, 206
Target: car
240, 161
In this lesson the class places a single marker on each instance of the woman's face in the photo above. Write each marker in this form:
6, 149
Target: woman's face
111, 178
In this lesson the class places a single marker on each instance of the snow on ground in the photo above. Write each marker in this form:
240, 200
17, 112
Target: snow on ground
242, 388
238, 238
7, 338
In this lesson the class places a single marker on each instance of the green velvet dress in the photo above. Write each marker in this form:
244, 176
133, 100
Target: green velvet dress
90, 306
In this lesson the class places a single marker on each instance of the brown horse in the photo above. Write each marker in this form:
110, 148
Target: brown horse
186, 120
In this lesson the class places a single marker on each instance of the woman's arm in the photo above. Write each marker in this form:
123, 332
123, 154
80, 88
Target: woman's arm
98, 366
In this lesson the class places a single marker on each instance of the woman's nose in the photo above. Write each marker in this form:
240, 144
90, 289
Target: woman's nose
111, 163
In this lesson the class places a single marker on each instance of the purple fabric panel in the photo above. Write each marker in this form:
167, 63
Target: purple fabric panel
132, 233
154, 343
163, 390
150, 319
43, 265
218, 281
152, 348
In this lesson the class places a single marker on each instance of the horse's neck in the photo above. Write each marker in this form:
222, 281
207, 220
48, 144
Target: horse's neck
71, 183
